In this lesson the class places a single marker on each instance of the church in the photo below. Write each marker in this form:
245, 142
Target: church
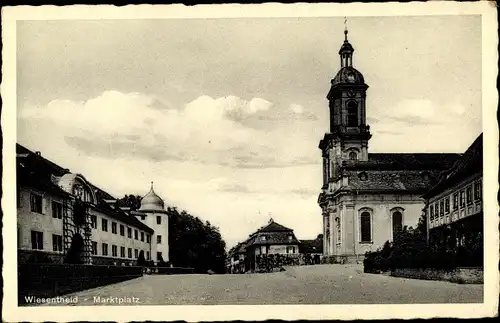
366, 197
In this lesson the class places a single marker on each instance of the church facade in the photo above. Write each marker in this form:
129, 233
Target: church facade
366, 197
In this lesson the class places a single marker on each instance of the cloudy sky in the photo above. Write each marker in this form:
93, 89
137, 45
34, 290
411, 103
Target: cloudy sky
225, 115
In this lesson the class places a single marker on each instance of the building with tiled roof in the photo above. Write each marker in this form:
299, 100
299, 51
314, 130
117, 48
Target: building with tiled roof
54, 206
272, 238
454, 206
312, 247
367, 197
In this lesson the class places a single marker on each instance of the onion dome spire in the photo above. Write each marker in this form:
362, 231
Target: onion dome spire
151, 202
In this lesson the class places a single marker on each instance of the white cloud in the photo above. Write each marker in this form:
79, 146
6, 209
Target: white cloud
201, 131
257, 104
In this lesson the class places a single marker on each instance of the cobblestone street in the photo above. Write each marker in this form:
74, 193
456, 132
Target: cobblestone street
321, 284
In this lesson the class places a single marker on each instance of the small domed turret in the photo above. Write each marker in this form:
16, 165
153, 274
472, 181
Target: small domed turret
152, 203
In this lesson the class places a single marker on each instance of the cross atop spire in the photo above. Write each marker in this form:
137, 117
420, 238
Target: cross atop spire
151, 185
346, 50
345, 28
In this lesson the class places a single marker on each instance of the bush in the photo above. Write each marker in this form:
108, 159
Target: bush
376, 262
141, 261
369, 262
268, 262
414, 255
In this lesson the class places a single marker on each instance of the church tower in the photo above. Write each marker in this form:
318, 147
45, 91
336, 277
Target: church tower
349, 134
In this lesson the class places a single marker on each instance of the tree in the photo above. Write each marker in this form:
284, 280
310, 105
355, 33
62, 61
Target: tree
133, 201
195, 244
192, 242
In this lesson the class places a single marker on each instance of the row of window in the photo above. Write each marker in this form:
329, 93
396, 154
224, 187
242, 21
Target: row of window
365, 225
114, 230
37, 241
114, 251
265, 249
460, 199
264, 238
57, 246
365, 220
37, 207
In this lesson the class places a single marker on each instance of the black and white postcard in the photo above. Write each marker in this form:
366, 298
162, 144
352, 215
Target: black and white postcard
272, 161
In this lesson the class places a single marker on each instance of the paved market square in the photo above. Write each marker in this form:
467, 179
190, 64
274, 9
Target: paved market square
319, 284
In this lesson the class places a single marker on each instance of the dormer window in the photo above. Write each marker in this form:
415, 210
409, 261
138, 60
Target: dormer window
290, 238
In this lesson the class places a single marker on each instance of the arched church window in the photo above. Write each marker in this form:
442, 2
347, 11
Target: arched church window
397, 223
352, 114
353, 155
366, 227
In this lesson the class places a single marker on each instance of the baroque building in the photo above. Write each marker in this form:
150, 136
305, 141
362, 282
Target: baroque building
61, 214
366, 197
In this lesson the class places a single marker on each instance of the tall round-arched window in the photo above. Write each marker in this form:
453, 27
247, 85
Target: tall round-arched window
366, 227
352, 114
397, 223
353, 155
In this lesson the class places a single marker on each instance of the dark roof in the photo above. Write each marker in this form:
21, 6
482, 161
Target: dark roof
275, 234
470, 163
238, 248
273, 238
311, 246
403, 161
348, 75
388, 180
242, 248
274, 227
35, 171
